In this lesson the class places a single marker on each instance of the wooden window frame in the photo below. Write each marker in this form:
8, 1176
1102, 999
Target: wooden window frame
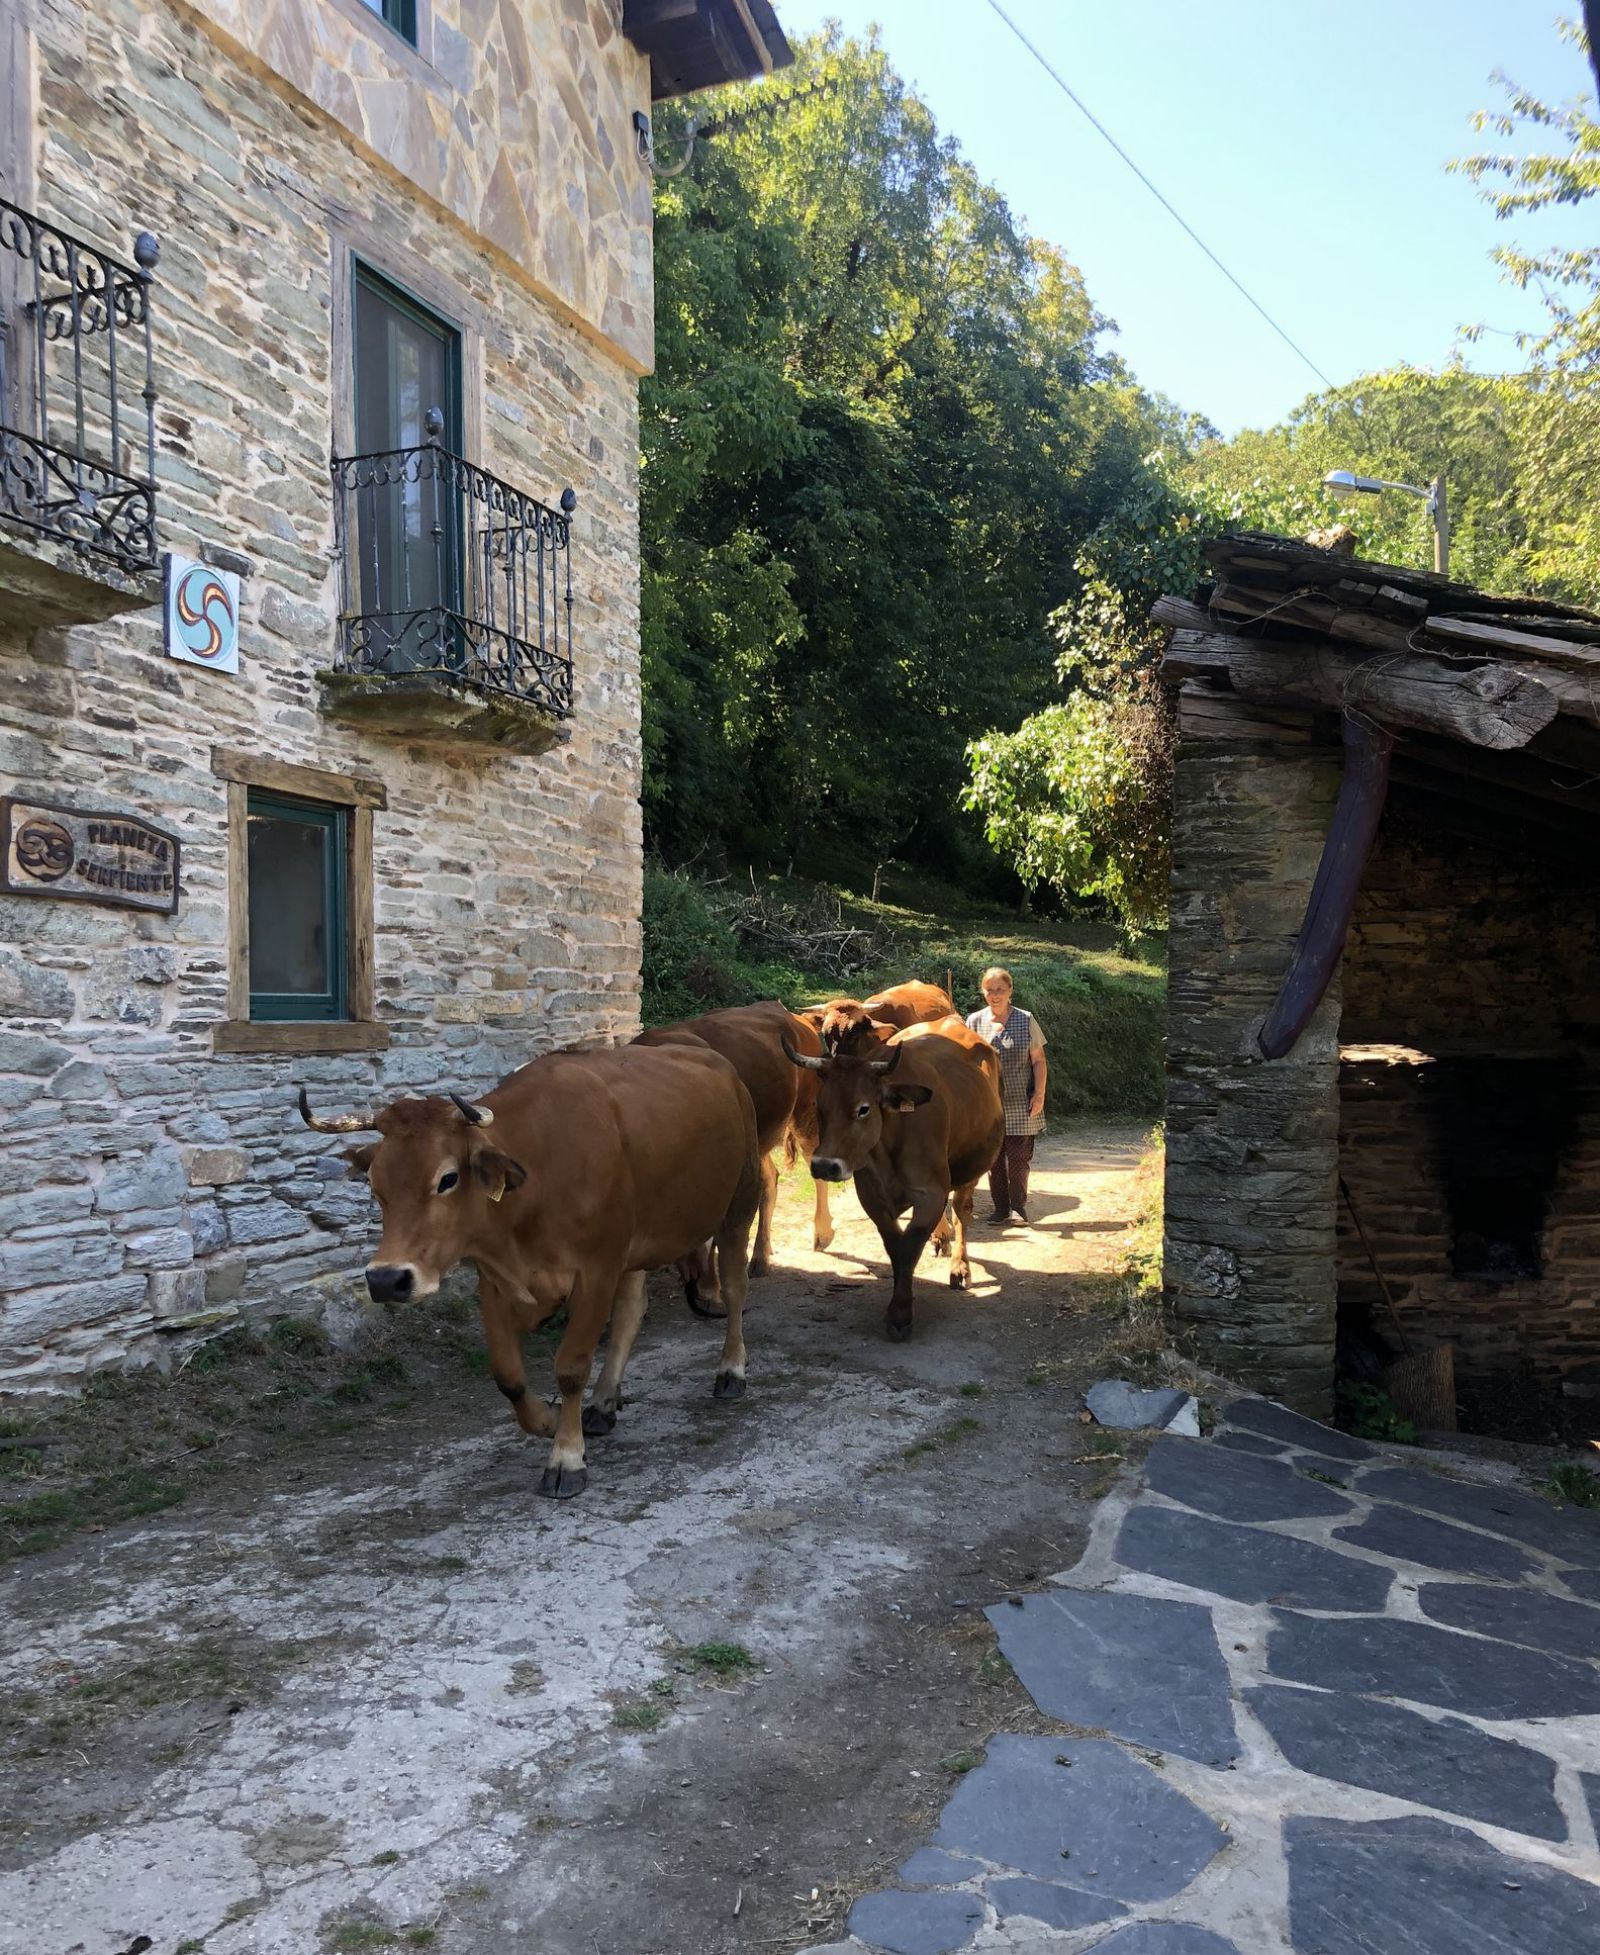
359, 796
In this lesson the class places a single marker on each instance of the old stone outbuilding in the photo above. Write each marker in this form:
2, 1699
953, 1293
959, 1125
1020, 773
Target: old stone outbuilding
311, 775
1384, 1024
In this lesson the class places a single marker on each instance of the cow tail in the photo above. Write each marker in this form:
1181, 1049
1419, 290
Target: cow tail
791, 1146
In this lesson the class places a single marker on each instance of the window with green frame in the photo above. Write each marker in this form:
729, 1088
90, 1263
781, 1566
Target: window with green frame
298, 868
401, 15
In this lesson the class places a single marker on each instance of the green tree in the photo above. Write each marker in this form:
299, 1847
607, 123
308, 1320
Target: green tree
1557, 403
883, 422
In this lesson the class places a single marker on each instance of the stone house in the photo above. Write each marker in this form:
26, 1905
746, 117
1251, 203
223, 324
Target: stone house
1384, 1021
310, 776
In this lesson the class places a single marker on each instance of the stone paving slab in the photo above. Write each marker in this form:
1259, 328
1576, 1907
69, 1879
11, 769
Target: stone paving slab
1381, 1657
1517, 1615
1235, 1488
1407, 1536
1440, 1763
930, 1867
1426, 1888
1103, 1822
1247, 1564
1568, 1533
1145, 1670
1584, 1582
920, 1923
1051, 1905
1260, 1415
1165, 1938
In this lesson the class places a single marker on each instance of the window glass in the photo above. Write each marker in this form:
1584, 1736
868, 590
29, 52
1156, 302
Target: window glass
296, 872
400, 14
406, 522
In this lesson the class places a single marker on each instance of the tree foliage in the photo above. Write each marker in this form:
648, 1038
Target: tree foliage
882, 423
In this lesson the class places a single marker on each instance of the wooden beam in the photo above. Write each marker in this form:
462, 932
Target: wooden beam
287, 777
1204, 714
1498, 638
1484, 705
1351, 833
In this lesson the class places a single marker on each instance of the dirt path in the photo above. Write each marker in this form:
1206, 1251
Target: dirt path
383, 1696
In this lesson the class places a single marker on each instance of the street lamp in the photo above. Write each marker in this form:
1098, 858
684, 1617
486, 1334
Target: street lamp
1344, 483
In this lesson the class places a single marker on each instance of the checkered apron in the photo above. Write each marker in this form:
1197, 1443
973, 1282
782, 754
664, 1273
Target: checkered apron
1012, 1041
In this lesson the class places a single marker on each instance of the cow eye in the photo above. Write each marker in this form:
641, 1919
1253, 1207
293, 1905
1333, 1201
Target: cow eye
863, 1110
448, 1180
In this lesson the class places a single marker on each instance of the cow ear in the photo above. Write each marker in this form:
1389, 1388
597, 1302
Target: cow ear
498, 1172
906, 1099
360, 1159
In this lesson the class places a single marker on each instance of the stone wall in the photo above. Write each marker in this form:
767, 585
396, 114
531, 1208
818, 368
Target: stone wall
150, 1189
1251, 1145
1462, 955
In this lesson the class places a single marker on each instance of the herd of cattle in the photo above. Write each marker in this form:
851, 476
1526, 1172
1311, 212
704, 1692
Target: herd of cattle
585, 1170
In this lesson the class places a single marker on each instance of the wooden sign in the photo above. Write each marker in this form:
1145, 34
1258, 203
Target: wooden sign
86, 857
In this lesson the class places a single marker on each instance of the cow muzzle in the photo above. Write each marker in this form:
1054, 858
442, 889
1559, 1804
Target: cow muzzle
392, 1282
825, 1168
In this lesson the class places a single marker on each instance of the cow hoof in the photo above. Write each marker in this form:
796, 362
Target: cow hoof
597, 1422
898, 1328
760, 1266
941, 1248
822, 1243
691, 1296
729, 1384
563, 1482
960, 1278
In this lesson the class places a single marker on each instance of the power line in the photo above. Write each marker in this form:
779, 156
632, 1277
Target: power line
1084, 110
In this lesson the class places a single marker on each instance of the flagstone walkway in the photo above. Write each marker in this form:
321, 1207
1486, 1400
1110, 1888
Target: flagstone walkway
1315, 1701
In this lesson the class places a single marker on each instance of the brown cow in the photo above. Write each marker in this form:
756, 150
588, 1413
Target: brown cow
959, 1032
601, 1166
750, 1038
853, 1024
915, 1126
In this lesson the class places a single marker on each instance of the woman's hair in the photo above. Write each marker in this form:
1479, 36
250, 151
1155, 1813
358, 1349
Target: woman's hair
996, 971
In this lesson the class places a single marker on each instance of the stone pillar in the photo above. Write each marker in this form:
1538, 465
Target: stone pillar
1252, 1145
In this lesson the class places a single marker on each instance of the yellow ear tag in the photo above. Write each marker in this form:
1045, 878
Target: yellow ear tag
496, 1192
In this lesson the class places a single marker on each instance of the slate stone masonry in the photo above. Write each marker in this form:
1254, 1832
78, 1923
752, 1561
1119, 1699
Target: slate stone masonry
150, 1189
1251, 1145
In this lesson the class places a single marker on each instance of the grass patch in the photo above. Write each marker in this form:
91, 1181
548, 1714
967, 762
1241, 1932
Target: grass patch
972, 1389
961, 1762
638, 1716
67, 1709
362, 1934
723, 1659
960, 1428
138, 1443
994, 1670
1571, 1483
1327, 1479
388, 1858
1099, 997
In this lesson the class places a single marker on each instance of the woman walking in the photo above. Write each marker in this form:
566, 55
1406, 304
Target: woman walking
1015, 1036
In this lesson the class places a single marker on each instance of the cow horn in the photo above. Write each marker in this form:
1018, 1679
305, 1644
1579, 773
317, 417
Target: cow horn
338, 1123
886, 1065
800, 1058
475, 1116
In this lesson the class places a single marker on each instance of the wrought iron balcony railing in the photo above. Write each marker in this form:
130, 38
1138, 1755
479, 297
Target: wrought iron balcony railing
446, 569
77, 391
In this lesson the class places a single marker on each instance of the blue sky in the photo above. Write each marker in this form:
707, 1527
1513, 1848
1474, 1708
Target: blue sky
1305, 142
